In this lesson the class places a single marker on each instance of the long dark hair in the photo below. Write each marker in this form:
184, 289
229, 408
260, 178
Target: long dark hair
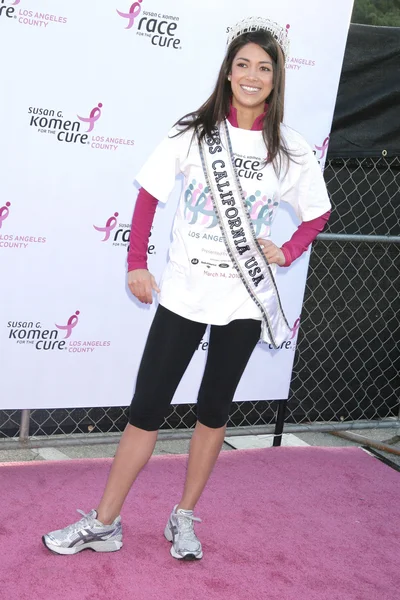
216, 108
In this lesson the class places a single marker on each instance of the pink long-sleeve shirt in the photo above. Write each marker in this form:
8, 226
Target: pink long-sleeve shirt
146, 205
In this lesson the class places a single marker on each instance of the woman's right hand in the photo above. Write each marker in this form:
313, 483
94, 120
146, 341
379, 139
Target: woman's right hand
142, 283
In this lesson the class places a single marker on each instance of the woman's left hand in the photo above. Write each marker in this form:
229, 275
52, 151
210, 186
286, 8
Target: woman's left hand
272, 253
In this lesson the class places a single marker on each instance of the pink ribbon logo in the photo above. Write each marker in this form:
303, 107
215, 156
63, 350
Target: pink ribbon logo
111, 223
94, 116
4, 212
16, 2
295, 328
323, 148
72, 322
134, 12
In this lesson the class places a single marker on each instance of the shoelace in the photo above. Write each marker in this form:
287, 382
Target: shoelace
186, 525
84, 522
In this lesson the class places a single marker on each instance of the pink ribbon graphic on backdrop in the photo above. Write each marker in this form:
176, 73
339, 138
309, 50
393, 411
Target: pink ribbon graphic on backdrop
4, 212
111, 223
295, 328
72, 322
16, 2
134, 12
94, 116
323, 148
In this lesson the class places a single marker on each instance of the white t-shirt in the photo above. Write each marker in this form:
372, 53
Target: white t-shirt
199, 281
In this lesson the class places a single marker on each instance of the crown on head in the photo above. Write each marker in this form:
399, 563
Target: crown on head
255, 24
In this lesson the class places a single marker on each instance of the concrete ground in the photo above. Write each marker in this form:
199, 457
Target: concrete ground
389, 436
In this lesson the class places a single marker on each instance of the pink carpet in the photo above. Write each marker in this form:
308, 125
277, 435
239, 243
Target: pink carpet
278, 524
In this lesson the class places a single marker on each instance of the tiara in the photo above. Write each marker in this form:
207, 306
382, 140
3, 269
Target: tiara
255, 24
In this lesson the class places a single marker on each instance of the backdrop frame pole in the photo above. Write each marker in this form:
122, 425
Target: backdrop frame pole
280, 421
24, 427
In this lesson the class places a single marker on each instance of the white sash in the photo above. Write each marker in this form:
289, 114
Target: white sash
239, 236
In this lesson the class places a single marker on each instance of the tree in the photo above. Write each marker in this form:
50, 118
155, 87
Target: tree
377, 12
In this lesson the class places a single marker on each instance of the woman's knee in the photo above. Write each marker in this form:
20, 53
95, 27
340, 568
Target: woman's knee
145, 418
215, 419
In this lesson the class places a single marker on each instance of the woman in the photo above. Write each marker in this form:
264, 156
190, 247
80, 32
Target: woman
236, 156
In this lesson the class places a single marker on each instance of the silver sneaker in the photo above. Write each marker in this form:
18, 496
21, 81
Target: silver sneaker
180, 531
88, 533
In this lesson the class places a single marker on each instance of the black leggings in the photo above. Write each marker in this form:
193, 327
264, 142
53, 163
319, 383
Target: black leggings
170, 346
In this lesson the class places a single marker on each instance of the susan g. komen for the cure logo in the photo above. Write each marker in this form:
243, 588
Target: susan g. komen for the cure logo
158, 28
26, 16
80, 346
120, 236
31, 333
94, 116
75, 130
71, 323
11, 240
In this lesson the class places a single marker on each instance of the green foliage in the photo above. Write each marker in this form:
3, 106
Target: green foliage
377, 12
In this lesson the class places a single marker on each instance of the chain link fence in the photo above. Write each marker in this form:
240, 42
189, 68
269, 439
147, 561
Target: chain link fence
364, 194
347, 360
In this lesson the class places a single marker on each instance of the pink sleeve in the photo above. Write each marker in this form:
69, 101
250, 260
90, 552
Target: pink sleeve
303, 237
142, 220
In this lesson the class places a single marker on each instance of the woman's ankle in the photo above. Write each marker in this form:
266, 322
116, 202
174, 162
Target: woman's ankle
105, 518
185, 506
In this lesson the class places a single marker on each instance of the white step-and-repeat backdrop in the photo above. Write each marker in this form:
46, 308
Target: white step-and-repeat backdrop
87, 91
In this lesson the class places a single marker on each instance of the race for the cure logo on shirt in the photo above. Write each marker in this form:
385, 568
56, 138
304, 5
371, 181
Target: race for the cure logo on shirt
260, 198
161, 30
61, 335
22, 12
11, 237
81, 128
261, 207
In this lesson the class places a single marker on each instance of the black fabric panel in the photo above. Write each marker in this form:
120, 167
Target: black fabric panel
367, 113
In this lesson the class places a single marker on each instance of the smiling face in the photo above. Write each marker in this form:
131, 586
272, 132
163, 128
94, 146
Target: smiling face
252, 77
